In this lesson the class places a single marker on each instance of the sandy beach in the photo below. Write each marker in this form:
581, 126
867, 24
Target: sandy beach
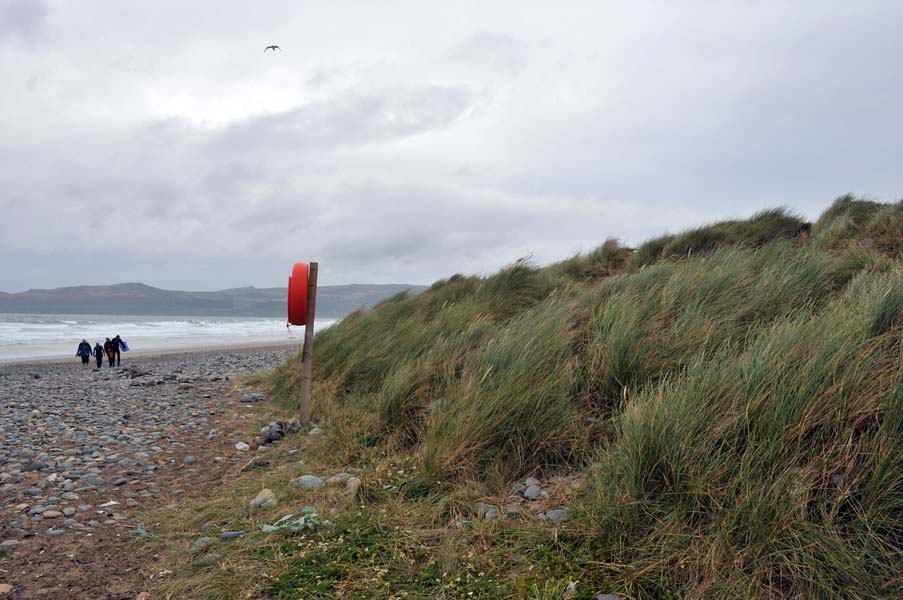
83, 450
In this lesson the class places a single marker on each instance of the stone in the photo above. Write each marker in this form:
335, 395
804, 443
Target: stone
208, 560
231, 535
606, 597
69, 511
531, 481
555, 516
5, 588
55, 532
309, 482
51, 514
265, 499
190, 460
200, 543
490, 514
533, 492
9, 544
242, 447
352, 486
339, 479
251, 397
314, 431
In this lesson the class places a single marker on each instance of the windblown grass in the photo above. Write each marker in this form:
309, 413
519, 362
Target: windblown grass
733, 392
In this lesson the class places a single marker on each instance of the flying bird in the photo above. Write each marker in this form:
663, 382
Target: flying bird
274, 47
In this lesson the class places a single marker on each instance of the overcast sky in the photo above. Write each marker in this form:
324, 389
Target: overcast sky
406, 141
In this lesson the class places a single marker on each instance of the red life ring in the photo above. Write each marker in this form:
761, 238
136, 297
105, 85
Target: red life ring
297, 294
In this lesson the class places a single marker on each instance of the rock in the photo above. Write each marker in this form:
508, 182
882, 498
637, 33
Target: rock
34, 465
512, 512
55, 532
555, 516
339, 479
606, 597
533, 492
9, 544
208, 560
314, 431
5, 588
200, 543
265, 499
309, 482
69, 511
242, 447
531, 481
481, 508
352, 486
190, 460
251, 397
490, 514
51, 514
231, 535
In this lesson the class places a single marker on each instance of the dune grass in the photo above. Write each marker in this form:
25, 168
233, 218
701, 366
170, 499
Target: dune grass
733, 393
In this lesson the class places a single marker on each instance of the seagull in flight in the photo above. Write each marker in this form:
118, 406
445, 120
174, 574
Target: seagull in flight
274, 47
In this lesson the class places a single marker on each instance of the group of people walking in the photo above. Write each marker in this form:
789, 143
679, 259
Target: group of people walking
111, 348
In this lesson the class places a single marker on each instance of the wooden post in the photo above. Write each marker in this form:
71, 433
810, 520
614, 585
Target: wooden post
307, 354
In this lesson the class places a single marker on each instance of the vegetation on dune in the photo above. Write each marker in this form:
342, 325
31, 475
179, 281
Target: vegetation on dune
733, 393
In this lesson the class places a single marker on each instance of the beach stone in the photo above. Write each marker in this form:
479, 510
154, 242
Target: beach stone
200, 543
69, 511
5, 588
533, 492
208, 560
55, 532
339, 479
314, 431
265, 499
51, 514
242, 447
231, 535
555, 516
251, 397
352, 486
531, 481
9, 544
309, 482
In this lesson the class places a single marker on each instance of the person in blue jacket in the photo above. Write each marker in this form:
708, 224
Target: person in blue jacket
84, 352
98, 354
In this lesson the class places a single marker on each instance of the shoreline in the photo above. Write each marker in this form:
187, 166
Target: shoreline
128, 357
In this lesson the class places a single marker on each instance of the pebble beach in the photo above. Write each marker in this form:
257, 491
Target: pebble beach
83, 450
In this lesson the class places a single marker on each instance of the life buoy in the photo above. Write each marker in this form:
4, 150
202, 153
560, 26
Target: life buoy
297, 294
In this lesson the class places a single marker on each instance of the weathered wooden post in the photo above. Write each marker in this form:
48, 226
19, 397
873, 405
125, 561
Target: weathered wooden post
302, 306
307, 354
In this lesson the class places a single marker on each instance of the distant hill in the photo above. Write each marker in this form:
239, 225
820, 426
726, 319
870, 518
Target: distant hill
333, 301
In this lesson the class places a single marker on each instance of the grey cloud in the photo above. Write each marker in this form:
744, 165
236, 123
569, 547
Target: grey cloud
351, 119
405, 151
22, 19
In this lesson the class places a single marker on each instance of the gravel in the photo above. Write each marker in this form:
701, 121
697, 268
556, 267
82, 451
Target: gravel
74, 437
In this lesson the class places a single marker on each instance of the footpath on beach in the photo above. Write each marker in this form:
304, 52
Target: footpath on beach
83, 450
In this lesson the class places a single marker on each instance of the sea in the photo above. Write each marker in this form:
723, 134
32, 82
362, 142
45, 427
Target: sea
25, 337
